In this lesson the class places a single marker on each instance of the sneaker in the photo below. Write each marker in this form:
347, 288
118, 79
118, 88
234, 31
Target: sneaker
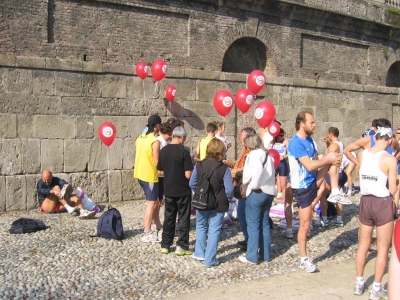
85, 214
242, 243
279, 196
66, 191
150, 238
349, 193
359, 289
287, 234
335, 222
345, 201
216, 264
164, 250
321, 223
377, 295
308, 265
197, 257
181, 252
243, 259
333, 198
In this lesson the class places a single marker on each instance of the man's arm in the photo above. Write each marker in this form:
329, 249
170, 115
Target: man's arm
156, 152
391, 163
361, 143
329, 158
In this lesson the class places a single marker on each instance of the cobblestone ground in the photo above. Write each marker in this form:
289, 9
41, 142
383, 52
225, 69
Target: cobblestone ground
65, 262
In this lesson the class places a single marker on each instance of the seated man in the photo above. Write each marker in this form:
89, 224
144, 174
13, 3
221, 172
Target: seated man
55, 196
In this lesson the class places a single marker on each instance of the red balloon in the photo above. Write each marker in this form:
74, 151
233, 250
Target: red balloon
276, 156
142, 70
244, 99
265, 113
274, 129
107, 133
223, 102
159, 70
256, 81
397, 238
170, 92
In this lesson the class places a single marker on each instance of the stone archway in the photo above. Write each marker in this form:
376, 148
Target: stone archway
393, 75
245, 55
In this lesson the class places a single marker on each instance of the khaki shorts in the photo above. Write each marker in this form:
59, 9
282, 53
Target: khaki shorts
376, 211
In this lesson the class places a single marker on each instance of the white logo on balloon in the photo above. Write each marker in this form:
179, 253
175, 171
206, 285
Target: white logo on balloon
249, 99
227, 101
174, 93
165, 69
258, 113
108, 132
146, 69
272, 129
260, 80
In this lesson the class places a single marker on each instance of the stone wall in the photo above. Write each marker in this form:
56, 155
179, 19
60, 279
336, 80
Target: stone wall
50, 111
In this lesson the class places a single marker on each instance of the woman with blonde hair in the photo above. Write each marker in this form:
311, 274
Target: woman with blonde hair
259, 172
209, 222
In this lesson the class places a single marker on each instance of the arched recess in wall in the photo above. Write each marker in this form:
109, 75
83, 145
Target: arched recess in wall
393, 75
245, 55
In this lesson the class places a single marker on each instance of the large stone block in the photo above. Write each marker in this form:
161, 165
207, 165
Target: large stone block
128, 153
137, 88
15, 193
25, 130
8, 126
115, 186
76, 155
31, 191
18, 81
11, 158
113, 86
185, 88
132, 190
145, 107
68, 84
205, 90
30, 156
85, 127
58, 127
43, 82
2, 193
52, 155
99, 154
90, 106
125, 125
94, 184
91, 85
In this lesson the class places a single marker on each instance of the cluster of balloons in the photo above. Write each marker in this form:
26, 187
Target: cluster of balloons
159, 70
107, 133
244, 98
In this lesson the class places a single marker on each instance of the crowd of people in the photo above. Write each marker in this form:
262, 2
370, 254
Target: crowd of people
168, 174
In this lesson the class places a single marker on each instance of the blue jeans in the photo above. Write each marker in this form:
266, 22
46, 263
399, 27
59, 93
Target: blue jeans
258, 205
241, 211
208, 223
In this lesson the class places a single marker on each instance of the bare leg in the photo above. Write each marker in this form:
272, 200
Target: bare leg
364, 241
305, 215
149, 214
384, 236
75, 201
349, 170
283, 183
156, 213
288, 206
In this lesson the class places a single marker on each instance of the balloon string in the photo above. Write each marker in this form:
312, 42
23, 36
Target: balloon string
108, 173
144, 91
170, 109
154, 94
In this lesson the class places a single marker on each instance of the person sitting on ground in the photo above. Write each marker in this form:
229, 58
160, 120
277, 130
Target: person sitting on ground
202, 144
54, 195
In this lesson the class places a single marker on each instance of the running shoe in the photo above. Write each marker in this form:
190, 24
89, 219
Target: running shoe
321, 223
213, 265
378, 295
243, 259
287, 234
181, 252
345, 201
150, 238
359, 288
279, 196
66, 191
335, 222
308, 266
85, 214
334, 198
164, 250
197, 257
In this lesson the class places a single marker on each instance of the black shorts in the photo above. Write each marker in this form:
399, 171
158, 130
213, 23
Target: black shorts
282, 169
304, 197
342, 179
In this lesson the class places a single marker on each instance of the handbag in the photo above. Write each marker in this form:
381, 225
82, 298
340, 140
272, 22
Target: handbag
243, 186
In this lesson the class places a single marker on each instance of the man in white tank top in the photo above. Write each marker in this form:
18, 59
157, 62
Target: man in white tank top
377, 208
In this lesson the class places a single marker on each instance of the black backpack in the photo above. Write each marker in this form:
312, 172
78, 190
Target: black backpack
26, 225
205, 198
110, 226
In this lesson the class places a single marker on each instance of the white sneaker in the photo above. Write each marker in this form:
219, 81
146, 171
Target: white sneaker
308, 265
345, 201
85, 214
66, 191
71, 209
150, 238
333, 198
243, 259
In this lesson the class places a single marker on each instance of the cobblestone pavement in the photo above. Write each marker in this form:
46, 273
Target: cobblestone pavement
65, 262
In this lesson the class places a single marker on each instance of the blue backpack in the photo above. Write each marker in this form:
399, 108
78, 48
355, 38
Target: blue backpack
110, 226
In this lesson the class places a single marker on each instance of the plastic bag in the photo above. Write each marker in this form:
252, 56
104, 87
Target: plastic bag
87, 203
232, 210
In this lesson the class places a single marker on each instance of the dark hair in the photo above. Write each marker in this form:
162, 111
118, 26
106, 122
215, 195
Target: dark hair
211, 127
334, 131
374, 122
249, 130
281, 131
301, 118
216, 149
165, 128
382, 122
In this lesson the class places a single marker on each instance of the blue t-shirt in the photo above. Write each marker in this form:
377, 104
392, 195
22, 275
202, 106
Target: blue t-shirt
300, 177
368, 132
